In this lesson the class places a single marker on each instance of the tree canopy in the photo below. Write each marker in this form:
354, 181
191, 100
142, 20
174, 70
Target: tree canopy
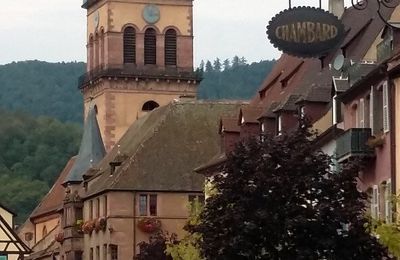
280, 199
33, 151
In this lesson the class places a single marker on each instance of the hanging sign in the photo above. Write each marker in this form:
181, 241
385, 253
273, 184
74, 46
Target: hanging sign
306, 32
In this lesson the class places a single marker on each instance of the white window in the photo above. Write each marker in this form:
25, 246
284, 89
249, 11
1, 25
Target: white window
361, 113
279, 125
242, 121
262, 128
375, 202
385, 107
388, 202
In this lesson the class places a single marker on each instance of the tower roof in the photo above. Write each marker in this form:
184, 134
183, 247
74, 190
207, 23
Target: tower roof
91, 150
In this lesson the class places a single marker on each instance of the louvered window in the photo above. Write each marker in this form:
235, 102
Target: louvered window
385, 108
170, 47
129, 45
150, 46
388, 202
375, 202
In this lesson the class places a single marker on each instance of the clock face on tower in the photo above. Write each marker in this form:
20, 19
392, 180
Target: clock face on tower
151, 14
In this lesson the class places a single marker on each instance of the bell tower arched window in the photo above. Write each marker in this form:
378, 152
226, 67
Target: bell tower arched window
170, 47
150, 105
129, 45
150, 46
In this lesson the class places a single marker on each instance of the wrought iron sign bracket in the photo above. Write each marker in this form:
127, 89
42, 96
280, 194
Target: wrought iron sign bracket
363, 4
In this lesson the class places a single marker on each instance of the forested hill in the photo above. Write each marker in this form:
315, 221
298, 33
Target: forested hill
42, 88
50, 89
33, 151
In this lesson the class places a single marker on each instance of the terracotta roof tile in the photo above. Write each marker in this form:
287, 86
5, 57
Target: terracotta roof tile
249, 114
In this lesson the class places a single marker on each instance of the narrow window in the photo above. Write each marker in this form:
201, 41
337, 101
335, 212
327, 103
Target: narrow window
362, 113
388, 202
97, 252
97, 207
153, 205
279, 125
149, 106
150, 46
375, 202
385, 108
91, 254
91, 209
371, 110
170, 47
105, 213
129, 45
114, 252
105, 251
143, 205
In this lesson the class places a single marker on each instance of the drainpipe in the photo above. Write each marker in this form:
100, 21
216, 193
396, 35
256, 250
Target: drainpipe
392, 122
336, 7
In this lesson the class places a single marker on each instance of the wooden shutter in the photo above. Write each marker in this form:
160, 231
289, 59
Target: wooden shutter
388, 202
150, 46
375, 202
385, 107
170, 47
129, 45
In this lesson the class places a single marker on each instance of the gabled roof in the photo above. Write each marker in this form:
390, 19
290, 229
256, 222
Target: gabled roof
8, 210
229, 125
10, 243
163, 147
340, 84
249, 114
53, 200
289, 104
91, 150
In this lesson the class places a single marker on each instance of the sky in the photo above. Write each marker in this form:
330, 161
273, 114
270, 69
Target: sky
54, 30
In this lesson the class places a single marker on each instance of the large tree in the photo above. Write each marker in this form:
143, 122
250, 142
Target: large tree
279, 199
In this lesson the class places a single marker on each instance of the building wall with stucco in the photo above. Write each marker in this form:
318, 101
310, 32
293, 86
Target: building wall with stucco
122, 221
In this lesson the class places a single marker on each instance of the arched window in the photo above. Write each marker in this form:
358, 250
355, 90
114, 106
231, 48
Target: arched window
150, 105
129, 45
170, 47
150, 46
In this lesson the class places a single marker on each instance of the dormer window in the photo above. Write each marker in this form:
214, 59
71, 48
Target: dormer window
279, 125
242, 121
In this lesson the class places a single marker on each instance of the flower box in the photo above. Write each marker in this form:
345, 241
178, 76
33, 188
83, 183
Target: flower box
88, 227
149, 225
60, 237
100, 224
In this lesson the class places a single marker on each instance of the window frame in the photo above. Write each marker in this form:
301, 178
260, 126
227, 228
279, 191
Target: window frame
385, 107
129, 45
149, 208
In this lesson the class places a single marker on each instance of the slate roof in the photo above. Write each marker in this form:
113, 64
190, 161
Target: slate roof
289, 104
53, 200
164, 147
91, 150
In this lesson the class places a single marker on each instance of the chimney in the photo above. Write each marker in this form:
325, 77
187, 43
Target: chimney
336, 7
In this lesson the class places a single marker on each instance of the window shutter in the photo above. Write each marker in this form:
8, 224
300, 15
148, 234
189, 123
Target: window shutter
150, 46
375, 202
170, 47
371, 110
362, 113
129, 45
385, 108
388, 202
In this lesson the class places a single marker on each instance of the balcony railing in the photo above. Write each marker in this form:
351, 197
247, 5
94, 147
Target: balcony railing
131, 71
353, 143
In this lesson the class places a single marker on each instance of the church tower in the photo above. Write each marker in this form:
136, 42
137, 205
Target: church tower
139, 57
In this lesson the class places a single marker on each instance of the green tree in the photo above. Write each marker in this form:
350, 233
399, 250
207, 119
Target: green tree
188, 247
209, 67
226, 64
279, 199
217, 65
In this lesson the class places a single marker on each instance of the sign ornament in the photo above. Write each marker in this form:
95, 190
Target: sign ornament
306, 32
